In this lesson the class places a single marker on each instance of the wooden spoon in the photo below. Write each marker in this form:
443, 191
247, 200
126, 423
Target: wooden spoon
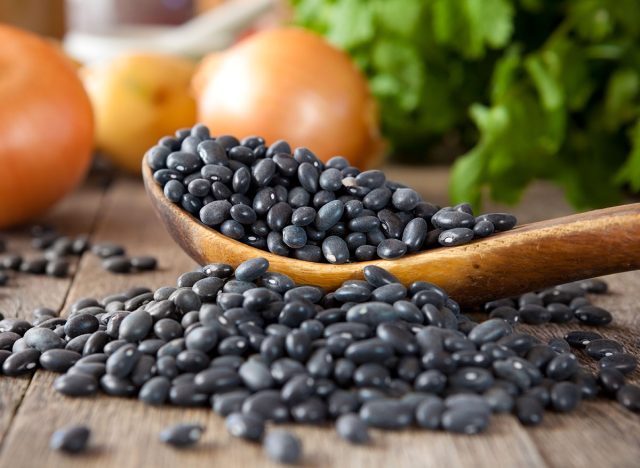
527, 258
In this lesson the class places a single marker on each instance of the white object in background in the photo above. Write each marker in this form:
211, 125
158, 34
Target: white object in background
213, 30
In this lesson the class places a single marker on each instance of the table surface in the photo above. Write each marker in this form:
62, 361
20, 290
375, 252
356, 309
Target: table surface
125, 432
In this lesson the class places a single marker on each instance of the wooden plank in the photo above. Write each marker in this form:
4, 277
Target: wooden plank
75, 215
125, 431
127, 218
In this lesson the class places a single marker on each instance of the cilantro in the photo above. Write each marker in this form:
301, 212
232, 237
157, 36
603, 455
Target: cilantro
534, 88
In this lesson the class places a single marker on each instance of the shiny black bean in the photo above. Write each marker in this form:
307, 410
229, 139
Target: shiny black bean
268, 405
455, 236
42, 339
592, 315
623, 362
387, 414
80, 324
489, 331
598, 349
282, 447
215, 213
21, 362
565, 396
369, 350
562, 367
79, 384
59, 360
581, 338
611, 380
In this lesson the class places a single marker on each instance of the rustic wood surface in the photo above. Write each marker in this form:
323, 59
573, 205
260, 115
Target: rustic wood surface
125, 432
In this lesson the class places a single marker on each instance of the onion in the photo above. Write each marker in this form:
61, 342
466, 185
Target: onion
290, 84
46, 126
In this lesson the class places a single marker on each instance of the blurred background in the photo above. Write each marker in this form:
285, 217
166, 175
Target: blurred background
505, 91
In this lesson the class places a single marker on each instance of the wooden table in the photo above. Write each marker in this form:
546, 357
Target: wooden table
125, 432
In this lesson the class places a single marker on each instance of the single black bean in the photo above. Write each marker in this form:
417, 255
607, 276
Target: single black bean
282, 446
79, 384
58, 360
623, 362
592, 315
529, 410
611, 380
455, 236
565, 396
71, 439
387, 414
182, 435
42, 339
598, 349
581, 338
629, 397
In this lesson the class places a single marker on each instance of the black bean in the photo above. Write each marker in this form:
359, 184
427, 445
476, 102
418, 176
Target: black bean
117, 264
352, 429
623, 362
398, 337
80, 324
135, 326
499, 399
592, 315
560, 313
58, 360
21, 362
490, 330
282, 447
215, 212
562, 367
565, 396
581, 338
369, 350
71, 439
611, 380
43, 339
598, 349
464, 420
35, 266
455, 236
483, 228
215, 380
96, 343
121, 362
57, 267
529, 411
387, 414
501, 221
79, 384
629, 396
448, 219
268, 405
534, 314
182, 435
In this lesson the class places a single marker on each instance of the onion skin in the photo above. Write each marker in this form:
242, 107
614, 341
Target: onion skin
291, 84
46, 126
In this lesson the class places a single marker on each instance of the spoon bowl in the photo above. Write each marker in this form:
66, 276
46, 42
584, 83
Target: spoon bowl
526, 258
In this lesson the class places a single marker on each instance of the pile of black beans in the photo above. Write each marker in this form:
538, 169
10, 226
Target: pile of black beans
57, 250
292, 204
258, 348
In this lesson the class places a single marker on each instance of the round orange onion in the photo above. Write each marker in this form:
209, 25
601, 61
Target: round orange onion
290, 84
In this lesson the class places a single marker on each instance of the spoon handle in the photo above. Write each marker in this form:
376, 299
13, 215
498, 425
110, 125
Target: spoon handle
534, 256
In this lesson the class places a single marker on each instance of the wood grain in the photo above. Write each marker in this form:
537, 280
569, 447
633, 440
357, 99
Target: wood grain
532, 256
75, 215
125, 431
